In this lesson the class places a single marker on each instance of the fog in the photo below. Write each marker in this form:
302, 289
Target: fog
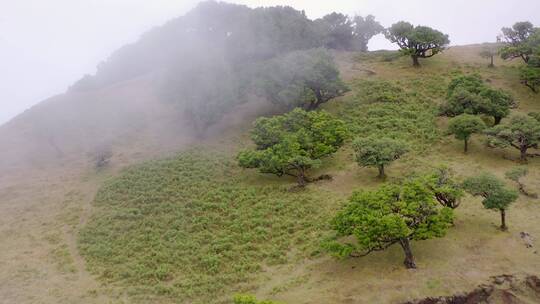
45, 46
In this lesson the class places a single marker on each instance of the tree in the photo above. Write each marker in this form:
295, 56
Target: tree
497, 103
464, 125
391, 214
302, 79
521, 132
448, 192
496, 195
471, 83
337, 31
364, 28
469, 94
376, 151
462, 101
293, 143
344, 33
516, 174
417, 42
530, 77
523, 41
517, 41
489, 51
205, 89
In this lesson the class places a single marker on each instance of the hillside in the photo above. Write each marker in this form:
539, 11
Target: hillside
211, 157
44, 213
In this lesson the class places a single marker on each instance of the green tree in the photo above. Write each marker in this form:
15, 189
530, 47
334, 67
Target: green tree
530, 77
517, 43
497, 103
448, 192
364, 28
469, 94
521, 132
516, 174
417, 42
496, 195
523, 41
376, 151
302, 79
293, 143
465, 125
249, 299
391, 214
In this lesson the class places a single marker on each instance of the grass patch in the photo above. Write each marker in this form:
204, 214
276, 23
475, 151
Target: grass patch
386, 108
192, 228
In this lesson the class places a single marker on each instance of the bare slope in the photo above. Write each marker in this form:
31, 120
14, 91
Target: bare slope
75, 125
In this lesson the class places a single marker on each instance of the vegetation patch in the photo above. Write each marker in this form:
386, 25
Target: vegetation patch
385, 108
192, 227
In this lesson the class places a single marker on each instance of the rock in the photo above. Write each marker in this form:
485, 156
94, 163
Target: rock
527, 238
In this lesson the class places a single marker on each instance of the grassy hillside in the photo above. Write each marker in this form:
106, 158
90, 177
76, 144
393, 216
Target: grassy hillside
196, 228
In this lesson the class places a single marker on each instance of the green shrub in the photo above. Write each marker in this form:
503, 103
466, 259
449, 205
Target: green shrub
249, 299
413, 120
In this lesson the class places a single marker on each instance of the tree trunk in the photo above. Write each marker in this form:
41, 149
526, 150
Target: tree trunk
319, 100
301, 178
409, 258
381, 171
415, 61
466, 146
491, 63
523, 154
503, 220
497, 120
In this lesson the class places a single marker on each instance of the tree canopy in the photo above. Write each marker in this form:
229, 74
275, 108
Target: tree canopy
293, 143
495, 193
364, 29
469, 94
376, 151
417, 41
337, 31
304, 79
345, 33
522, 40
530, 77
521, 132
465, 125
517, 41
393, 213
442, 181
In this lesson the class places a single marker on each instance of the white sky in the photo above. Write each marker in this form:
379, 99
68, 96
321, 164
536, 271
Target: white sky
46, 45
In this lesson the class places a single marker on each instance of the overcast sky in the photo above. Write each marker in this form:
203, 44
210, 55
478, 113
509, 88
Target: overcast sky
45, 45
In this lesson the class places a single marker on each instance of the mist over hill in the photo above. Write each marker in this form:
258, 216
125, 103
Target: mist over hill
175, 82
241, 155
